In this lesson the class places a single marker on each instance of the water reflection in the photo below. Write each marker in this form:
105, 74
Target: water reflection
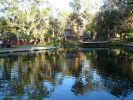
78, 73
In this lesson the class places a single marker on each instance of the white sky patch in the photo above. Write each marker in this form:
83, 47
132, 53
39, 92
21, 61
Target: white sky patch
64, 5
60, 4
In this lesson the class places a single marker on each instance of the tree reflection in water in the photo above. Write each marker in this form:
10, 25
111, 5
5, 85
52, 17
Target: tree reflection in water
36, 75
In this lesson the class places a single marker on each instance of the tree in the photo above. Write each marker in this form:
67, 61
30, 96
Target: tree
75, 21
57, 28
3, 25
112, 19
25, 18
81, 16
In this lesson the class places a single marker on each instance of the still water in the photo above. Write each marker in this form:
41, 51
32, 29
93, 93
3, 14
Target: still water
91, 74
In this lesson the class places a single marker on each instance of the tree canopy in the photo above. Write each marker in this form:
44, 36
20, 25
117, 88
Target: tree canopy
34, 19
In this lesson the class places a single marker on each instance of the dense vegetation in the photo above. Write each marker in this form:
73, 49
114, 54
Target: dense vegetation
33, 20
114, 20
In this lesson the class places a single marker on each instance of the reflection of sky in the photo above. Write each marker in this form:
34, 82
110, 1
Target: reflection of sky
99, 86
100, 95
129, 97
62, 92
90, 71
14, 71
96, 77
49, 86
0, 72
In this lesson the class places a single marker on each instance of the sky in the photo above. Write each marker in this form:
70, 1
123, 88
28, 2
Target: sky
61, 4
64, 4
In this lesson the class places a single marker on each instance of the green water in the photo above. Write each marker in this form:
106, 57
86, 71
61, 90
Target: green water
88, 74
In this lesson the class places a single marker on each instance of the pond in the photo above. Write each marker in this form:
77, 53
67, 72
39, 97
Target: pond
85, 74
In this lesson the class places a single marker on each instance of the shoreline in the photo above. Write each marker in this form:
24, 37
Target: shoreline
39, 48
25, 49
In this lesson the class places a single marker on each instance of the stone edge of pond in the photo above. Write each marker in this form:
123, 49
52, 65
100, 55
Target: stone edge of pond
129, 44
12, 50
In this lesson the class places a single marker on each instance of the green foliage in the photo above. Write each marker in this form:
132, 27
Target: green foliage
56, 28
25, 20
112, 19
3, 25
76, 6
105, 24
